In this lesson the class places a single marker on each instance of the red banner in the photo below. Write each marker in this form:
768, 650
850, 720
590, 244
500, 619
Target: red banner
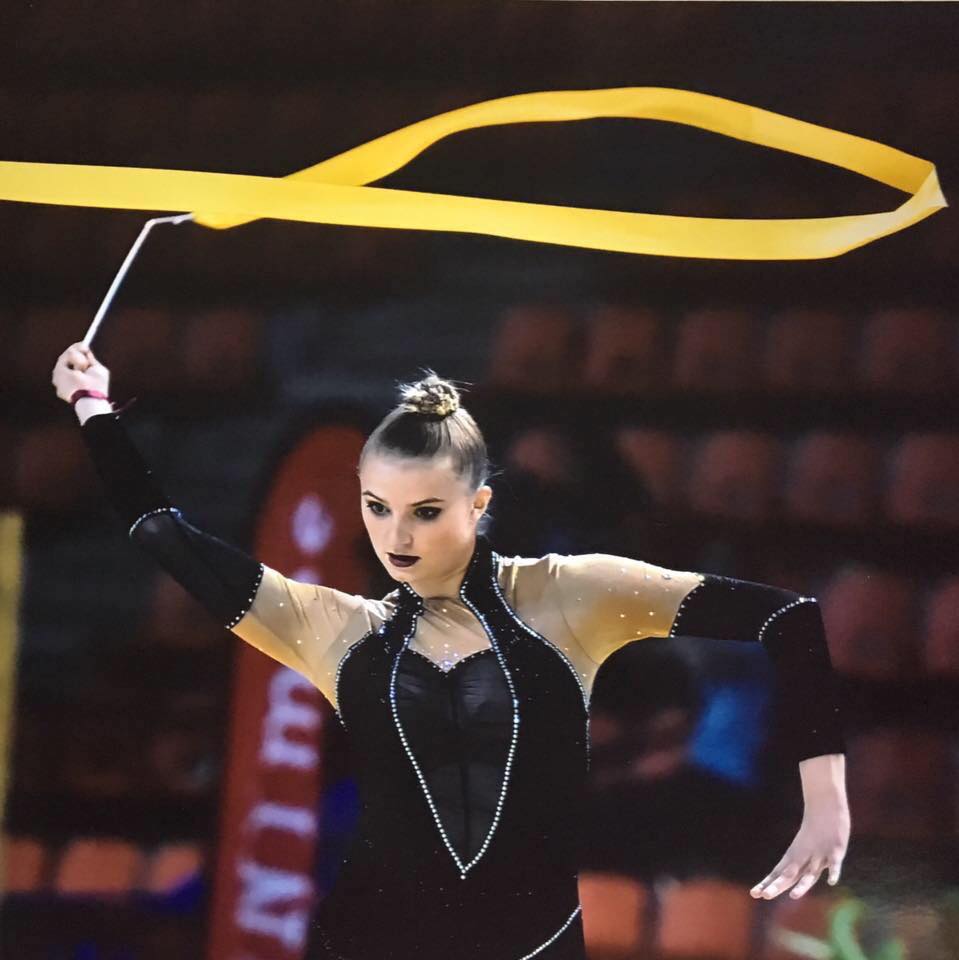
310, 529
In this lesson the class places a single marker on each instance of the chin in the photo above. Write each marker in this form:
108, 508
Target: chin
396, 572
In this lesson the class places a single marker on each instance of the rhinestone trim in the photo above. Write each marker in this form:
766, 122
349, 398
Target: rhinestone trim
782, 609
552, 646
546, 943
339, 667
152, 513
533, 633
464, 868
250, 599
455, 664
679, 609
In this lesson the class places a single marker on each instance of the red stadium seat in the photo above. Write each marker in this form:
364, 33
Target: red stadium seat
614, 911
923, 486
832, 479
535, 348
25, 862
625, 351
705, 917
940, 639
171, 866
656, 458
735, 474
545, 453
870, 620
95, 866
139, 345
902, 784
717, 351
221, 350
909, 350
808, 351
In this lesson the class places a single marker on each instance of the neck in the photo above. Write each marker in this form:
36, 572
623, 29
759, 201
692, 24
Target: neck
447, 586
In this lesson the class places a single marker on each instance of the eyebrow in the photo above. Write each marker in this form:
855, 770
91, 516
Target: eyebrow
417, 504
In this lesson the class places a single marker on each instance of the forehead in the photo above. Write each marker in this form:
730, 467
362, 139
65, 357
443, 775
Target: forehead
409, 479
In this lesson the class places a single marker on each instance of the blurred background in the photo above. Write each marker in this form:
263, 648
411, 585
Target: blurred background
788, 422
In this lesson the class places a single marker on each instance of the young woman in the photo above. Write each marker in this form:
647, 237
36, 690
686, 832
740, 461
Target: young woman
465, 691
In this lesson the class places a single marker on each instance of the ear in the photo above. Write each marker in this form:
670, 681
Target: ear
483, 497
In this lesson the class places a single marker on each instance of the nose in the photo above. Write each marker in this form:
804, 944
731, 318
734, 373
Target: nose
402, 540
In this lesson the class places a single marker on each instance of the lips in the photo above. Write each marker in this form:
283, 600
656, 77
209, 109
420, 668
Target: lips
401, 559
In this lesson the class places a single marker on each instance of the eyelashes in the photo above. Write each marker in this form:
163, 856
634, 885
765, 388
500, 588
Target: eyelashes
378, 510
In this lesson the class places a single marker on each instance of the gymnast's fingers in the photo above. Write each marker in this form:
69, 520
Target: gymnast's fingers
810, 875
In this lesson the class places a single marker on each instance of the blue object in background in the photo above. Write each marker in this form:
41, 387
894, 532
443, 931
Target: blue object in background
732, 728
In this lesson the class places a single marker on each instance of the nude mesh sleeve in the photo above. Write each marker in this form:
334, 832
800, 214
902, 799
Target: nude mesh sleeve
299, 624
609, 601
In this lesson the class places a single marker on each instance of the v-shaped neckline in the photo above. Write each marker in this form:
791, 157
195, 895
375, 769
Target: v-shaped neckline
456, 664
479, 579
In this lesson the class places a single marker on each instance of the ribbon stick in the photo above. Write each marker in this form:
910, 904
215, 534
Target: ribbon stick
122, 272
336, 190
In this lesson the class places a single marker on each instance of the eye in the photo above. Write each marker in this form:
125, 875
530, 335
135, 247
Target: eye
434, 512
375, 507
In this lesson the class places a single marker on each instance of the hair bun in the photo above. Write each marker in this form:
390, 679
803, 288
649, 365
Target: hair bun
431, 395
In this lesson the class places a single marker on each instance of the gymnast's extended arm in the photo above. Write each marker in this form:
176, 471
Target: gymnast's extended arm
293, 622
790, 628
220, 576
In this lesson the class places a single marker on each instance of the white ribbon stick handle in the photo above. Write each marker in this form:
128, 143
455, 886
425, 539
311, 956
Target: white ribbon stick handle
121, 273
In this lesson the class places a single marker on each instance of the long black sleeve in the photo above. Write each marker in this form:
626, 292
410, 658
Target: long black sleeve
790, 627
221, 577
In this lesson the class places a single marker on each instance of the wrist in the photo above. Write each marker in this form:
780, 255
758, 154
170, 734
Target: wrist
87, 407
824, 778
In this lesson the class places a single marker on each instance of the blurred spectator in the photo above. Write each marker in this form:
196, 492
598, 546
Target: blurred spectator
653, 811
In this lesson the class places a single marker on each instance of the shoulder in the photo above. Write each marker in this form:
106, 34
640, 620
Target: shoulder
556, 566
525, 572
317, 602
583, 580
526, 579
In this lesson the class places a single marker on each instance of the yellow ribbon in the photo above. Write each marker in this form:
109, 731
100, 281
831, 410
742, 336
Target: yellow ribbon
335, 190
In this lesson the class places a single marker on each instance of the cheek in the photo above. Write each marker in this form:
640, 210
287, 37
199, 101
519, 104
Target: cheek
370, 527
450, 526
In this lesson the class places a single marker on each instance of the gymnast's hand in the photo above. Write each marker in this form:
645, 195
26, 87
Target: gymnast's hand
77, 367
820, 843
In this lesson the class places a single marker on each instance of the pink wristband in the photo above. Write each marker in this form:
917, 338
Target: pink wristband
83, 392
99, 395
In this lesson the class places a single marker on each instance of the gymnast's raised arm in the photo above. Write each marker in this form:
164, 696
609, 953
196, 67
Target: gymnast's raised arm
292, 622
